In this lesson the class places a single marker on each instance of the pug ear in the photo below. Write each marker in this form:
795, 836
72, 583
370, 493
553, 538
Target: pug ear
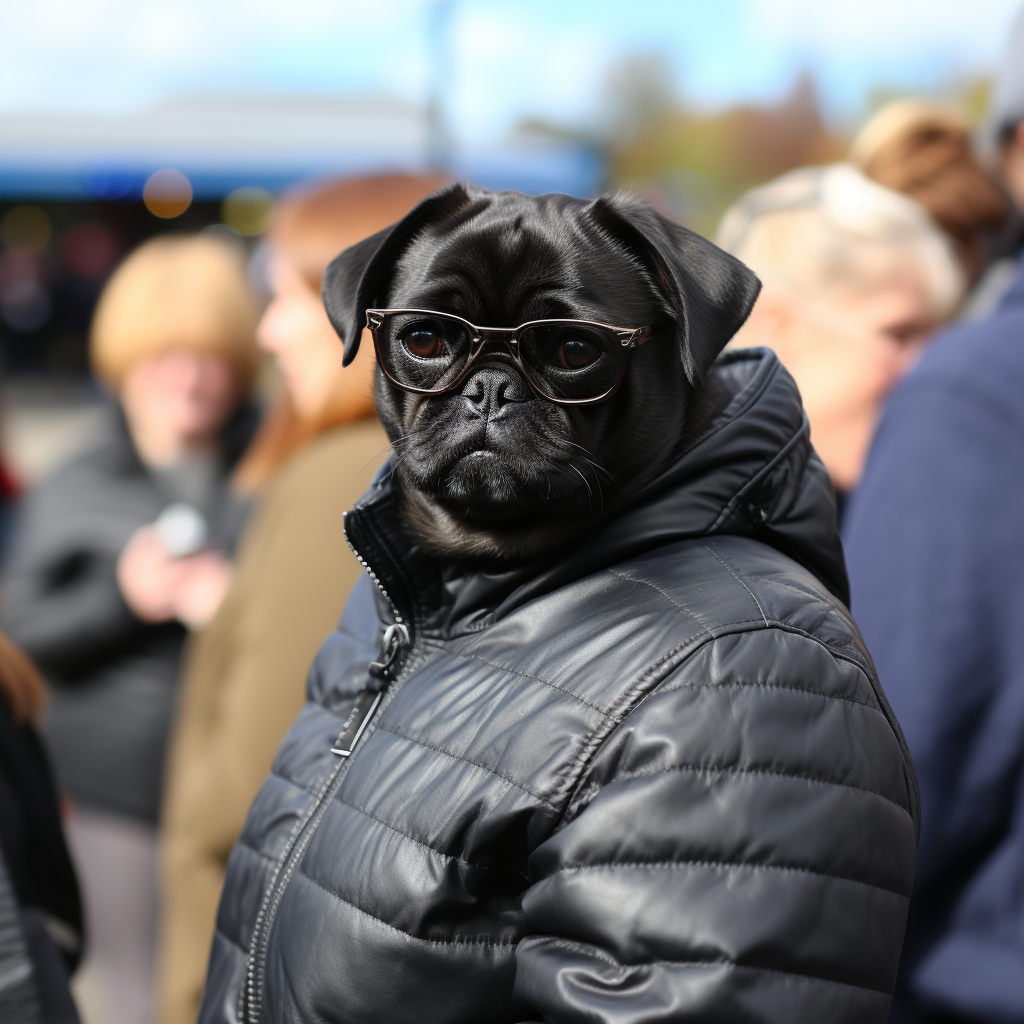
358, 278
709, 292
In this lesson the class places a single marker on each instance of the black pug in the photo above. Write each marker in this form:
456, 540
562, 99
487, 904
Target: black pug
651, 776
492, 466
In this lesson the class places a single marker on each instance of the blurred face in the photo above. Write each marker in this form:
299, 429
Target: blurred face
846, 352
1013, 166
296, 331
177, 400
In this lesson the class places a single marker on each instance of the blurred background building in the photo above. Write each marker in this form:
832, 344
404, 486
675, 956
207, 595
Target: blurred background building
119, 120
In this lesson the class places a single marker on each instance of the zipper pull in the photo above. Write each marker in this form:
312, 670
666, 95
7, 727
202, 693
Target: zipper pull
359, 718
396, 639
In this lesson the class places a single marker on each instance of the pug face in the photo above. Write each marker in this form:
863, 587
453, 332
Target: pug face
493, 467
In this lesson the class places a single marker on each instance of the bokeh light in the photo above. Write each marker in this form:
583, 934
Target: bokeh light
116, 185
167, 193
247, 210
25, 229
89, 250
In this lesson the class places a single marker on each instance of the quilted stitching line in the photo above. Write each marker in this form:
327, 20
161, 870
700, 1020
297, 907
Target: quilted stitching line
401, 931
738, 865
734, 575
426, 846
662, 667
724, 629
777, 581
720, 770
406, 835
683, 685
847, 652
681, 605
466, 760
527, 675
655, 667
373, 817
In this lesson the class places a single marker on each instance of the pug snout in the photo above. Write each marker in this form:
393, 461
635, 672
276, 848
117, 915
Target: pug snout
490, 389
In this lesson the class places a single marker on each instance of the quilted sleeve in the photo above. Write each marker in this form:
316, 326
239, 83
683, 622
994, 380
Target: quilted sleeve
740, 847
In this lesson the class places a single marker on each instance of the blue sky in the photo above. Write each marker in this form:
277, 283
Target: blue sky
507, 58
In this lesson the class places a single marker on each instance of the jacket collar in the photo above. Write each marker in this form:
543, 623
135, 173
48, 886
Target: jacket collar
752, 473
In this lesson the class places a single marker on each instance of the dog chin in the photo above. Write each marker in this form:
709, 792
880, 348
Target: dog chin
480, 508
486, 487
481, 487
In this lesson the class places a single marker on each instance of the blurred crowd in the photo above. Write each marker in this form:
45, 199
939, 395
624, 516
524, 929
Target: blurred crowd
173, 584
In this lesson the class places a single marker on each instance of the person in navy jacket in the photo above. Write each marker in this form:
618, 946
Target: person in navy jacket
934, 541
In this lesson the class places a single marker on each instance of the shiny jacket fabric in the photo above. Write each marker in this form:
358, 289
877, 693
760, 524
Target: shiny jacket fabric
652, 778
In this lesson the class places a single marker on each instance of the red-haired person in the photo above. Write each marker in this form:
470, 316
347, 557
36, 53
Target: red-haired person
245, 678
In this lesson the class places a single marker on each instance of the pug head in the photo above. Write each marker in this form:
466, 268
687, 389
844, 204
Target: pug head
493, 467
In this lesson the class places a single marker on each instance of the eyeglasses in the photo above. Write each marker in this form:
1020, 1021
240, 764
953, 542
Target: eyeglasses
570, 362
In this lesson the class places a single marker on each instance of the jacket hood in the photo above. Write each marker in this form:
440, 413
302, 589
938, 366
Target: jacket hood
752, 473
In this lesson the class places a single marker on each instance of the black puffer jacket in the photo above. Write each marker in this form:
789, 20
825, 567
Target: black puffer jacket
652, 779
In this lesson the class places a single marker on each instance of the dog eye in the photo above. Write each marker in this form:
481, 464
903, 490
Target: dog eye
423, 343
575, 354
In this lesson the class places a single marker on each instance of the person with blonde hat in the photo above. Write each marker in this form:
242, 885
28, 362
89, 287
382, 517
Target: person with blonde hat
112, 560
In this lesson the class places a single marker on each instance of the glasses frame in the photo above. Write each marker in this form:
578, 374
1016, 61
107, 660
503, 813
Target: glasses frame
629, 338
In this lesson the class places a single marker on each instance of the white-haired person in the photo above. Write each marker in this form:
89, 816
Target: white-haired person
856, 278
115, 556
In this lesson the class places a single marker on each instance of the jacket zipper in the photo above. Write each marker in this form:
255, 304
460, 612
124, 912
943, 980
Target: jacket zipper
397, 637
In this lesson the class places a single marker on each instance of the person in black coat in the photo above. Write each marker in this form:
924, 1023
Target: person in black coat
40, 909
117, 554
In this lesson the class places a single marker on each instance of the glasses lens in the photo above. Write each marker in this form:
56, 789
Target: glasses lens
422, 350
570, 360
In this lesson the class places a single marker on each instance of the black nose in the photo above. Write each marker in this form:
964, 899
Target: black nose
493, 387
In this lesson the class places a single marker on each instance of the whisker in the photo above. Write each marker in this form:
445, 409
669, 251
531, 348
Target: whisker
586, 482
390, 445
593, 462
600, 489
